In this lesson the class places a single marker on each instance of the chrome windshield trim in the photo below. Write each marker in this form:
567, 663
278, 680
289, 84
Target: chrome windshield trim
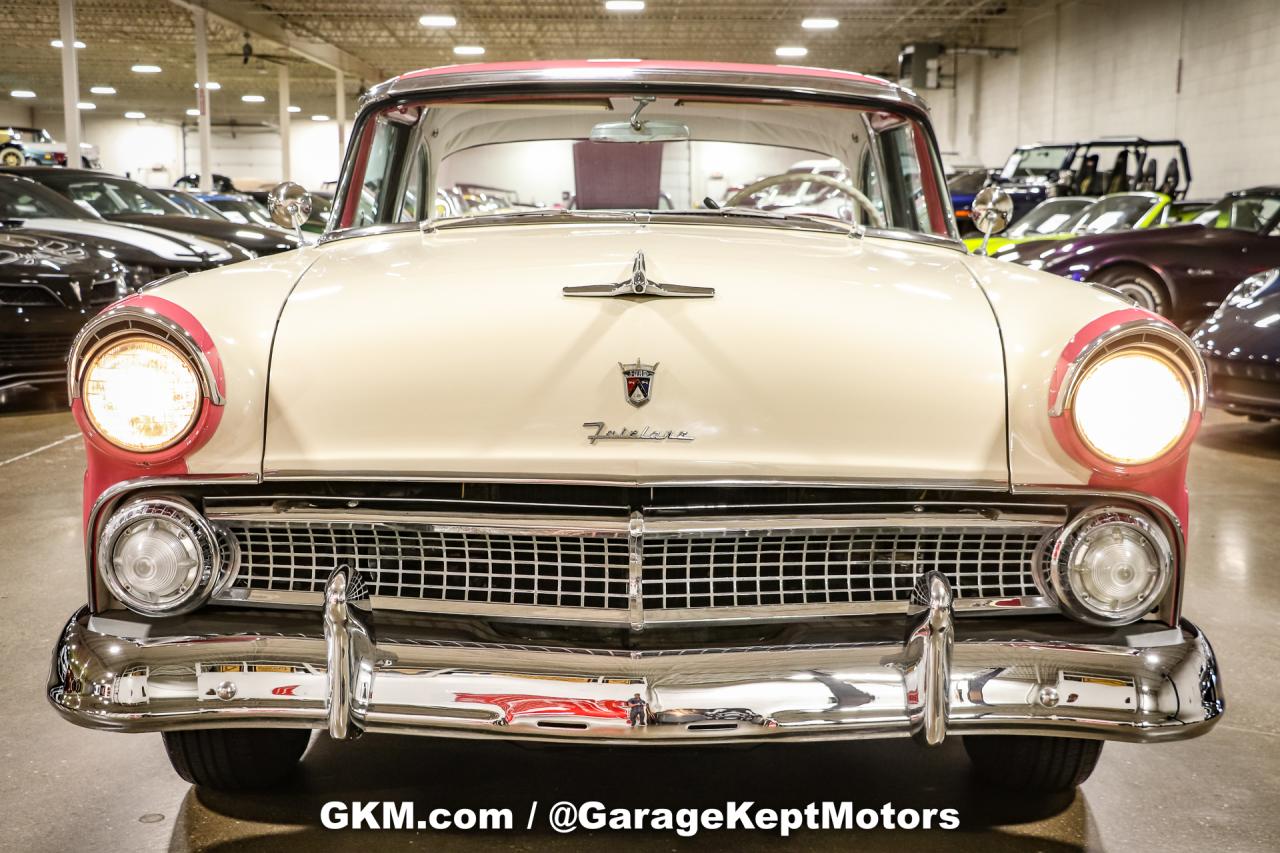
624, 77
731, 218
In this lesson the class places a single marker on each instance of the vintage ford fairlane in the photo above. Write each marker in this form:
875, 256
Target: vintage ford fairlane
636, 464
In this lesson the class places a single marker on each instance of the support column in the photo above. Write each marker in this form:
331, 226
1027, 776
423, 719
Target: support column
202, 99
286, 122
340, 112
70, 82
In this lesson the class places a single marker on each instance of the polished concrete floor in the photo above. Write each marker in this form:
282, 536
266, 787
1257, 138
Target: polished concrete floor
65, 788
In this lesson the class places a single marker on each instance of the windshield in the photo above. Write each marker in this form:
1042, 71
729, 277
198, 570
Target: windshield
27, 200
111, 196
33, 134
968, 182
1044, 161
1113, 213
242, 211
190, 205
690, 156
1049, 217
1242, 212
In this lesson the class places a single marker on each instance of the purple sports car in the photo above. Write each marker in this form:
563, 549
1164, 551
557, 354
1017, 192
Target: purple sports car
1182, 272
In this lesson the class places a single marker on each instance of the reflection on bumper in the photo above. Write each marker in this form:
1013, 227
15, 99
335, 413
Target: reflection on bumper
348, 679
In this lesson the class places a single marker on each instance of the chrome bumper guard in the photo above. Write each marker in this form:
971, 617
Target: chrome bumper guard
1148, 685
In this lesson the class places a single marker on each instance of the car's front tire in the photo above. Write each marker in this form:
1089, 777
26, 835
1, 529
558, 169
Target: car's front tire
236, 759
1040, 764
1142, 286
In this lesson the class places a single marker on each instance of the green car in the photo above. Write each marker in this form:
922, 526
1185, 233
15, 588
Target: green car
1067, 216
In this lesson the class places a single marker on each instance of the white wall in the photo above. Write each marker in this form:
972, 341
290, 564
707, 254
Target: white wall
13, 112
152, 151
1088, 68
255, 152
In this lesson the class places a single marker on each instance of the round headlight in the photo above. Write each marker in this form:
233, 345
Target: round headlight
1110, 566
1132, 406
158, 556
141, 394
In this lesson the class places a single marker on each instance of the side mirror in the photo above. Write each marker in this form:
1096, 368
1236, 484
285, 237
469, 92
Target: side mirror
289, 205
990, 212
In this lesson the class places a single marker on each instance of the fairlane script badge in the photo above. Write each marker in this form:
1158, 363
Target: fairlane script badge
624, 434
638, 381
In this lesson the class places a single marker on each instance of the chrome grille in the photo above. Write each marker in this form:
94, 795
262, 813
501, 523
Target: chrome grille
839, 567
633, 569
408, 562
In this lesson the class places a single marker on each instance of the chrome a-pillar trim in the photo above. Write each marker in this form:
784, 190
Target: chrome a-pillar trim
349, 654
927, 670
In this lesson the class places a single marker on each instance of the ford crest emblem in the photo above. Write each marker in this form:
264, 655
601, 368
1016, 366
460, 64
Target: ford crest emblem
638, 381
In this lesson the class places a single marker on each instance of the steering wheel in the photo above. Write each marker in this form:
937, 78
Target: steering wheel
826, 180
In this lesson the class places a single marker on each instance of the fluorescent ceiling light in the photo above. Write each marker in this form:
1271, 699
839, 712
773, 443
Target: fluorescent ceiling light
58, 43
211, 86
438, 21
86, 105
146, 69
294, 109
468, 50
791, 51
624, 5
133, 114
319, 118
193, 112
103, 90
252, 99
22, 93
819, 23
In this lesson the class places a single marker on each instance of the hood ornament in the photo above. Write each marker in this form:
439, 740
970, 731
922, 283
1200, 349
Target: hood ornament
639, 284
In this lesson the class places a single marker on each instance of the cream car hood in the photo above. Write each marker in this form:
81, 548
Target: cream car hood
456, 354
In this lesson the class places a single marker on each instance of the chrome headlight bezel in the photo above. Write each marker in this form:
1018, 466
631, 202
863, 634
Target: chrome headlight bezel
113, 344
1073, 541
181, 516
1148, 338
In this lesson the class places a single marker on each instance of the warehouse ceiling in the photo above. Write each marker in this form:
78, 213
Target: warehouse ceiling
380, 38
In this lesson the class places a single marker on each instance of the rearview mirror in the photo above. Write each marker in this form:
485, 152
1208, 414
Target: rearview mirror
289, 205
648, 131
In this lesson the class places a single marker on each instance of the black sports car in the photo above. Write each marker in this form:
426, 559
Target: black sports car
123, 200
147, 252
50, 285
1241, 347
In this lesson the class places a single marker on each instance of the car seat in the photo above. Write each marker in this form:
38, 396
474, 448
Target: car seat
1172, 177
1119, 180
1148, 180
1087, 180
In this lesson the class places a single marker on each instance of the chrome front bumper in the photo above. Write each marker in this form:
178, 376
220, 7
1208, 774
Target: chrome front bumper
1144, 683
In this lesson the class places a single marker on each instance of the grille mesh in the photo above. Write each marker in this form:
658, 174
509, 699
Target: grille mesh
39, 349
755, 569
866, 565
403, 562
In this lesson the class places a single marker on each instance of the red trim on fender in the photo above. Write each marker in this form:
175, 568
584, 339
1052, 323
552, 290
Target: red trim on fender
108, 464
1165, 478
